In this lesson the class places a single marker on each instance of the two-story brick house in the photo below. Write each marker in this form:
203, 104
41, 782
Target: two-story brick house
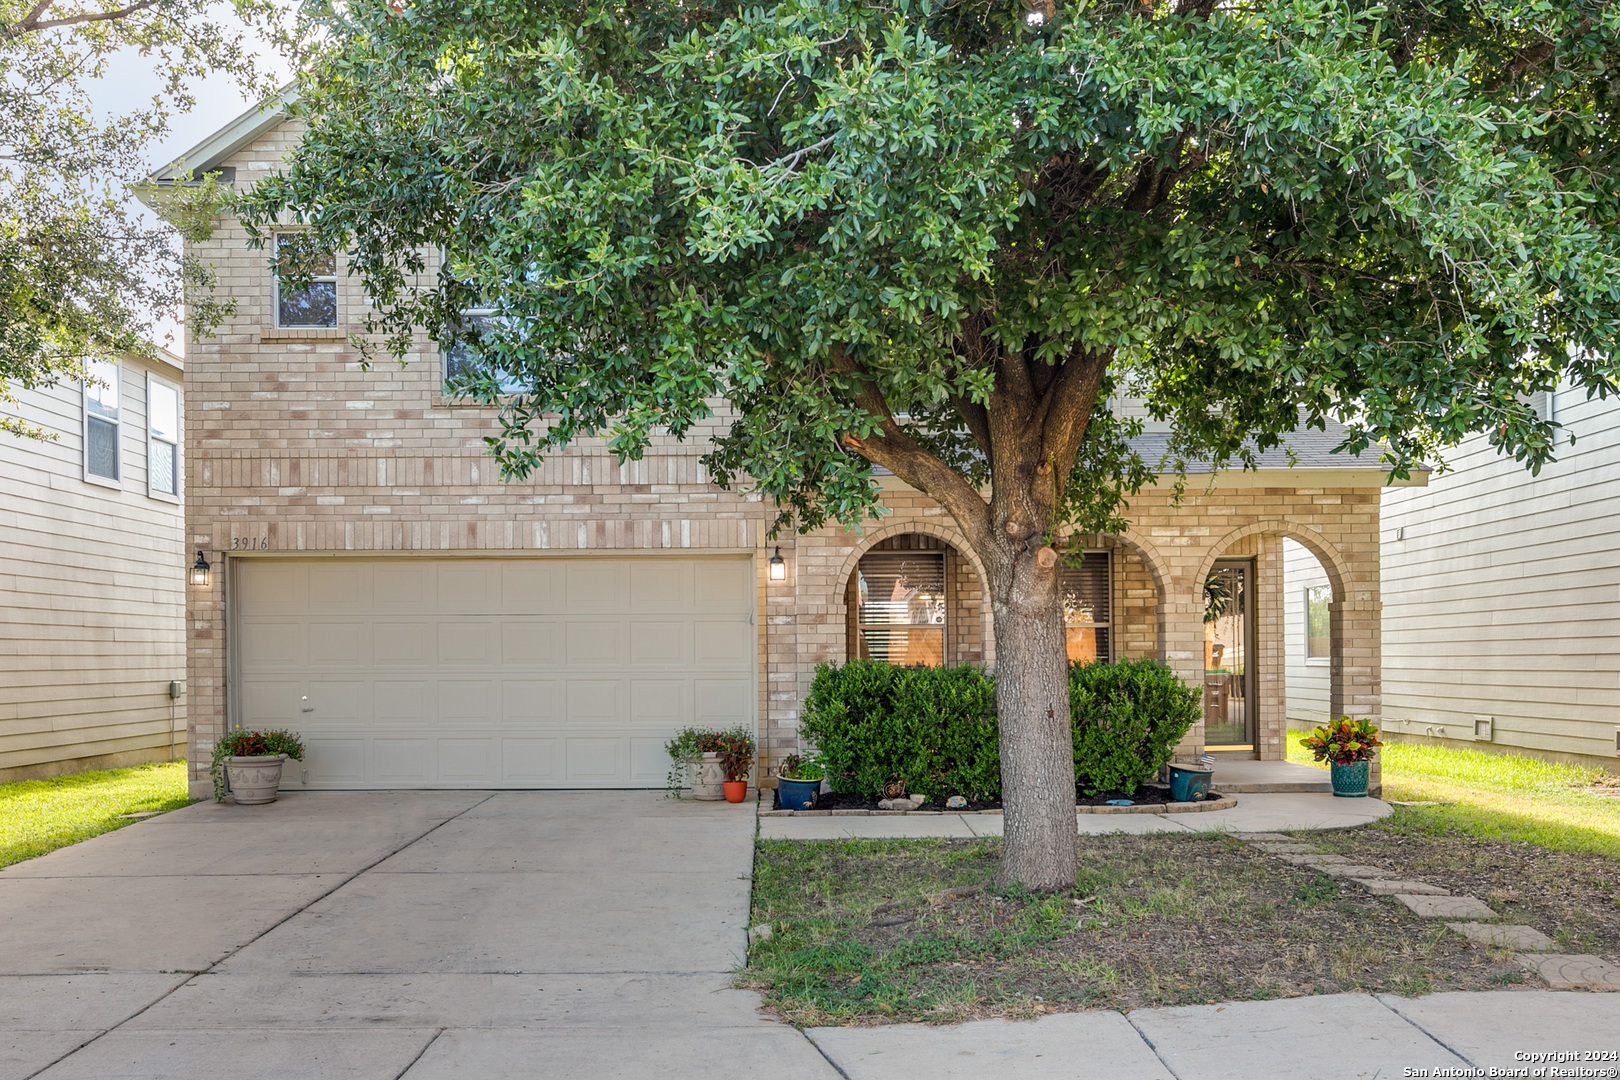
422, 623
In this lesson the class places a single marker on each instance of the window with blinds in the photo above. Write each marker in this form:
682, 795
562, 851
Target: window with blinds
1087, 607
901, 607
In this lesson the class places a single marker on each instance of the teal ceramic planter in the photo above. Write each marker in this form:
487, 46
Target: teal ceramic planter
1189, 783
1350, 781
797, 794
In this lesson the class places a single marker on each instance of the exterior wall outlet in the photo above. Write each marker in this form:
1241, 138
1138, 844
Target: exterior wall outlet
1483, 726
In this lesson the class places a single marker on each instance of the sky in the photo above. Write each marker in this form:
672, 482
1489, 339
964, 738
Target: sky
131, 77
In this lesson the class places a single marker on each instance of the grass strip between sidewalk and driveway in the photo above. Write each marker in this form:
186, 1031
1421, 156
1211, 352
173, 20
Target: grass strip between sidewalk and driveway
37, 816
1497, 796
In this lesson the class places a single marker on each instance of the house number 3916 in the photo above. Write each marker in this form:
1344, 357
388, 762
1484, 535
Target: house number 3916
248, 543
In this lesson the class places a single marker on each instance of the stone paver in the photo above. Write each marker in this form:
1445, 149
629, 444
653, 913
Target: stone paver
1447, 907
1521, 938
1351, 870
1390, 886
1100, 1044
1286, 849
1566, 971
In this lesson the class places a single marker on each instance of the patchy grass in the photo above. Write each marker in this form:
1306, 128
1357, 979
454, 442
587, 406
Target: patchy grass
1498, 797
879, 931
37, 816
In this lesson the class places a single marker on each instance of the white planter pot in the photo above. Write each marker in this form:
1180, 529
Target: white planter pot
254, 780
704, 776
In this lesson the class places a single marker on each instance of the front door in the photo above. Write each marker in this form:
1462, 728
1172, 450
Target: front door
1229, 698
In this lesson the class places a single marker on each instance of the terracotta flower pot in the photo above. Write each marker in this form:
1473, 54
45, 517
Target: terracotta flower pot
704, 775
254, 780
736, 790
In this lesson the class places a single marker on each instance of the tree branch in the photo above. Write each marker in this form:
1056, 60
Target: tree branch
32, 23
1065, 410
977, 420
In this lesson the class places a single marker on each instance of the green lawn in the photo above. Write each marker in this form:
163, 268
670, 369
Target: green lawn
1497, 797
37, 816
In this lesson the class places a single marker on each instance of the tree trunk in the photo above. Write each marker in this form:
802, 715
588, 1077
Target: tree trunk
1032, 704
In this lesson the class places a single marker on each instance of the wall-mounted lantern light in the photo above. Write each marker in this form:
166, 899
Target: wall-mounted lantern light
778, 567
199, 570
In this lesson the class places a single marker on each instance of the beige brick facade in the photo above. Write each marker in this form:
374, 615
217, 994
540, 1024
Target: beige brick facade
294, 448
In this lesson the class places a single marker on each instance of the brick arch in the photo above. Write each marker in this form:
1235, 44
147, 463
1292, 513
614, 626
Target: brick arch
1156, 565
952, 536
1337, 567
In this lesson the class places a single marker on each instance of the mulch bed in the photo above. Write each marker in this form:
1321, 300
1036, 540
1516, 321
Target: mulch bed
1149, 795
880, 932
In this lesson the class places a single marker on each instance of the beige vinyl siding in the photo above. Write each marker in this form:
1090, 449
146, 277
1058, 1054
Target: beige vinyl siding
92, 595
1502, 594
1309, 680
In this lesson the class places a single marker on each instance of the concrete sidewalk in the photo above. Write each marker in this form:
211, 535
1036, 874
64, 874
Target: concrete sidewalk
1256, 813
369, 936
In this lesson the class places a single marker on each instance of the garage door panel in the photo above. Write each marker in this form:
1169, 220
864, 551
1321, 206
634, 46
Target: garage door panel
660, 586
530, 701
466, 643
529, 644
468, 760
477, 672
658, 642
594, 585
529, 761
339, 644
402, 761
659, 703
396, 644
593, 760
403, 701
595, 642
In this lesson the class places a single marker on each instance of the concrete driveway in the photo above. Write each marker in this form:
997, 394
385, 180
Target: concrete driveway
389, 934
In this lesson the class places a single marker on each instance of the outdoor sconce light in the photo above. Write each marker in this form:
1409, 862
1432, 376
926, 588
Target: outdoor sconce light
199, 570
778, 567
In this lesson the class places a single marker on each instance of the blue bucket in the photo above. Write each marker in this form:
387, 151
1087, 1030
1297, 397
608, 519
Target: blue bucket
1189, 783
796, 794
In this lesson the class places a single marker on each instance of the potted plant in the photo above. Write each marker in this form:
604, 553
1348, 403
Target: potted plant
694, 754
1347, 745
736, 761
252, 760
798, 780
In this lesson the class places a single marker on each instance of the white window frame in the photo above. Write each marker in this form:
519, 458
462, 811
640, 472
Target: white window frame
1310, 657
118, 433
275, 288
153, 379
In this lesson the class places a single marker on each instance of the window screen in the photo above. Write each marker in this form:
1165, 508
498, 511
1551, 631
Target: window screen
901, 614
1318, 630
101, 412
1087, 594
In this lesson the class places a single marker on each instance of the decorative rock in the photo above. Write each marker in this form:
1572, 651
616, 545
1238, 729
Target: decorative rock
1388, 887
908, 802
1349, 871
956, 802
1521, 938
1565, 971
1447, 907
762, 932
918, 800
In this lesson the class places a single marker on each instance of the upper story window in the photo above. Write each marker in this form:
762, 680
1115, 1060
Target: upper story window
1318, 631
101, 421
315, 306
162, 438
1087, 593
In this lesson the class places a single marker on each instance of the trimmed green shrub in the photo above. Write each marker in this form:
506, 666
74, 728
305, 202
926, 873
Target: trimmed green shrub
930, 730
1128, 718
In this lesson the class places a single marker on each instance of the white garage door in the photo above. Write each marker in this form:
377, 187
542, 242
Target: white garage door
537, 672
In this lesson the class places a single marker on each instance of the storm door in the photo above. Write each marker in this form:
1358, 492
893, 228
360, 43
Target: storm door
1229, 682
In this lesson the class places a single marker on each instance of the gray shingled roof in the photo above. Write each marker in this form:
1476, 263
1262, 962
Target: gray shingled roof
1311, 449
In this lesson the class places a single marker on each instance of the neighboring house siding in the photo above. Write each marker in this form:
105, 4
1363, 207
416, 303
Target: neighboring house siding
92, 593
1307, 678
1503, 595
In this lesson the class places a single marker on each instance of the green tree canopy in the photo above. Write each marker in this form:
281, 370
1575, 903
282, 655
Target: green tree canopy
81, 274
935, 236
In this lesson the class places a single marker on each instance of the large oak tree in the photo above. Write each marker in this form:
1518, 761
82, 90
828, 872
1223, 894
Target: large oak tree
936, 236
